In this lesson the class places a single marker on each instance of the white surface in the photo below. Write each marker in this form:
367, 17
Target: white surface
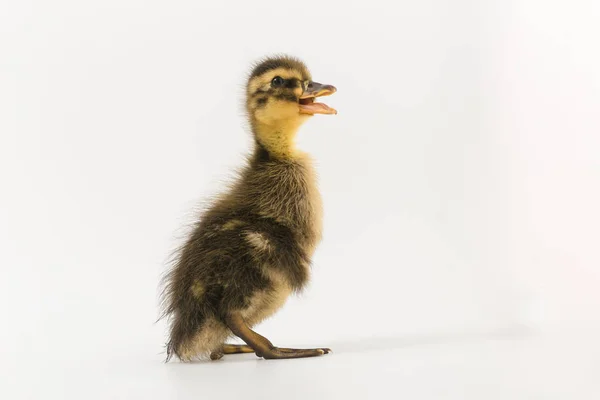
460, 181
517, 365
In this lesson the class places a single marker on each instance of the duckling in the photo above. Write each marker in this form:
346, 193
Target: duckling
252, 247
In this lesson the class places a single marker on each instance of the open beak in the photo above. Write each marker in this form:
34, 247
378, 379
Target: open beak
313, 90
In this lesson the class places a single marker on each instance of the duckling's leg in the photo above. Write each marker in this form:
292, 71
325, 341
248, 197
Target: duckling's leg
237, 348
230, 349
262, 346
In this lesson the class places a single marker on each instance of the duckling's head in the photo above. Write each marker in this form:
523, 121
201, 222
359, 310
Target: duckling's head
280, 96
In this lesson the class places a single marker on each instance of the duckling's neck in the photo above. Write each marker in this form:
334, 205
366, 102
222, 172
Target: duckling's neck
277, 138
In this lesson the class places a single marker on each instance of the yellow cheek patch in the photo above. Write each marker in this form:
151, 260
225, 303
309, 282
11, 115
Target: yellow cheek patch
276, 110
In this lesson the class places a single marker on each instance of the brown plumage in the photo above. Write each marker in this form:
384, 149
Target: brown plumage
252, 247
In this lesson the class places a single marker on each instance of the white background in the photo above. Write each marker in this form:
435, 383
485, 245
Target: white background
461, 184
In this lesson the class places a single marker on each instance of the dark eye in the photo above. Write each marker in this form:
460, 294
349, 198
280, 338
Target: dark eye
277, 81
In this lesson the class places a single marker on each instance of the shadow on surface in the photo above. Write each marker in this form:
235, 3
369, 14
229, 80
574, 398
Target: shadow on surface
403, 341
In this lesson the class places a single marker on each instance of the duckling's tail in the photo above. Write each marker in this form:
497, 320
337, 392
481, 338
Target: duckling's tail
190, 309
196, 337
181, 330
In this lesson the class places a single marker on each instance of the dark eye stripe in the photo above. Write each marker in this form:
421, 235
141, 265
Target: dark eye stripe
292, 83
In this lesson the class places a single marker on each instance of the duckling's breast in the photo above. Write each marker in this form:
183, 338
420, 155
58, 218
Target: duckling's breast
287, 192
312, 207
